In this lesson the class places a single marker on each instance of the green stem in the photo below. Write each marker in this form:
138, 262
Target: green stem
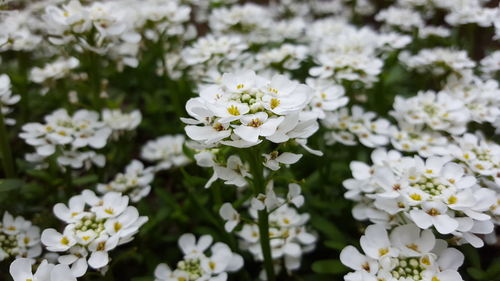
7, 162
259, 186
95, 80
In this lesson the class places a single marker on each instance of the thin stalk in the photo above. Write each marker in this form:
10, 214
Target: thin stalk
259, 186
7, 162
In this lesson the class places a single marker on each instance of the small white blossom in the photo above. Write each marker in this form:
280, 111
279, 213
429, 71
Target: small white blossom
95, 226
406, 253
18, 238
197, 265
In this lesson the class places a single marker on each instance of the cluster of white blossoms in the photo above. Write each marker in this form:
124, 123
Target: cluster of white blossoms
433, 193
197, 265
439, 111
20, 270
349, 128
18, 238
414, 138
231, 170
120, 122
213, 52
345, 53
119, 25
481, 97
490, 65
134, 182
54, 70
166, 151
244, 109
7, 99
439, 61
94, 226
289, 235
74, 138
405, 253
265, 79
480, 156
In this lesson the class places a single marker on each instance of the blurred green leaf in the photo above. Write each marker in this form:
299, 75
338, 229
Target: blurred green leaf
329, 267
10, 184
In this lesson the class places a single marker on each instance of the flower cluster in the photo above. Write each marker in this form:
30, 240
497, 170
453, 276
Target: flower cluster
7, 98
480, 156
20, 270
246, 108
53, 71
438, 111
197, 265
166, 151
346, 53
135, 182
115, 28
74, 137
433, 193
439, 61
94, 226
347, 127
120, 122
406, 253
288, 232
18, 238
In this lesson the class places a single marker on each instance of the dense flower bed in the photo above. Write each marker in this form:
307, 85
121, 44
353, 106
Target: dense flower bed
197, 140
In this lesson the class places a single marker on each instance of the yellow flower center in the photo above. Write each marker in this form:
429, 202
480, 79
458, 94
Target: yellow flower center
65, 241
416, 197
413, 247
255, 123
233, 110
433, 212
383, 251
275, 103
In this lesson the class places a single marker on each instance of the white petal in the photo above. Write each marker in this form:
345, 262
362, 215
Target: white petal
99, 259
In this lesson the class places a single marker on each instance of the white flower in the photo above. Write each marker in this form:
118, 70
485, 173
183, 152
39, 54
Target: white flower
233, 172
55, 70
93, 230
20, 270
288, 233
439, 111
72, 134
294, 195
405, 254
134, 182
403, 18
167, 151
6, 98
119, 121
196, 265
327, 96
344, 127
436, 193
244, 109
438, 60
230, 215
274, 159
491, 63
18, 238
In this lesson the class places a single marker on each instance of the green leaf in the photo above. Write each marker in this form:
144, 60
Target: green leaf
85, 180
476, 273
10, 184
329, 267
327, 228
337, 245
